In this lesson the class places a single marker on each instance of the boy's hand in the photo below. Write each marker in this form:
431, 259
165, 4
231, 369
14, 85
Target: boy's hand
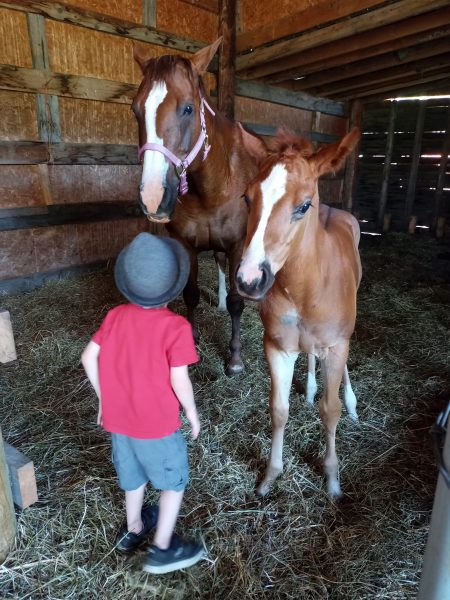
194, 421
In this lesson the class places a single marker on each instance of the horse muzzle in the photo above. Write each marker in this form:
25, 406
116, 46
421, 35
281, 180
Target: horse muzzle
258, 286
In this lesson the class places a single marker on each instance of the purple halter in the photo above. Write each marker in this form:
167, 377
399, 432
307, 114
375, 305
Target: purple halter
181, 166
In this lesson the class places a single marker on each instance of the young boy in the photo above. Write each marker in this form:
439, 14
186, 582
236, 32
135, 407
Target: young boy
138, 363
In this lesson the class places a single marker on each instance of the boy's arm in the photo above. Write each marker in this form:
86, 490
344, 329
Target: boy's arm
182, 386
89, 360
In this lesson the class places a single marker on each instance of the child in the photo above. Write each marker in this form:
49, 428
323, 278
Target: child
138, 363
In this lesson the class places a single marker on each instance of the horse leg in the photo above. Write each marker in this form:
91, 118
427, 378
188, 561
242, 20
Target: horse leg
349, 397
191, 292
330, 407
281, 367
311, 384
235, 306
221, 262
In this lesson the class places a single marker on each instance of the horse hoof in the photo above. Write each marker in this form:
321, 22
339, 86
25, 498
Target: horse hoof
354, 417
263, 489
236, 369
222, 307
334, 490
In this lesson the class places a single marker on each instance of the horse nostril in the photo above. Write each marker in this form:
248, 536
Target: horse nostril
143, 207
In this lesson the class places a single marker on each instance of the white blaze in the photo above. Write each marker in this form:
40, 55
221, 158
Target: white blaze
273, 189
155, 164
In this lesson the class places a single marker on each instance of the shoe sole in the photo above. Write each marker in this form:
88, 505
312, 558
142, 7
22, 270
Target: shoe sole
182, 564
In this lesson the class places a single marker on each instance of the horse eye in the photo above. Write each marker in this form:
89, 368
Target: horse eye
247, 200
300, 211
188, 109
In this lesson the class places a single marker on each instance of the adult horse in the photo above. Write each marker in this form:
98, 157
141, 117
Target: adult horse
196, 167
301, 258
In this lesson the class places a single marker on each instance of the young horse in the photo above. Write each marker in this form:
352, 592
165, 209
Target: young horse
195, 155
301, 258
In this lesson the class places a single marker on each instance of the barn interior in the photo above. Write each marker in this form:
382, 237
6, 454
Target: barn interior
69, 174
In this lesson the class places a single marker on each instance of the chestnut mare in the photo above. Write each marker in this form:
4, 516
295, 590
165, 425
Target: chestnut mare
301, 258
196, 167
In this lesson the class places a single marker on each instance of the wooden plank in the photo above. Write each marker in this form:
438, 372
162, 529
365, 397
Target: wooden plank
187, 19
7, 515
437, 208
149, 12
20, 186
98, 22
65, 214
351, 163
26, 153
304, 20
22, 477
210, 5
324, 53
7, 345
387, 168
19, 120
270, 130
415, 159
382, 62
276, 95
360, 53
14, 49
226, 74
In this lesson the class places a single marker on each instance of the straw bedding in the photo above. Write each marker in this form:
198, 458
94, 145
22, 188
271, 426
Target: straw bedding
293, 544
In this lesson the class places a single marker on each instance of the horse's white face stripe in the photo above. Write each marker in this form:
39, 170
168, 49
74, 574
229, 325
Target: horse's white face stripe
155, 164
273, 189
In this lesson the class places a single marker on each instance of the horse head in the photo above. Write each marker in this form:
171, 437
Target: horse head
283, 203
170, 109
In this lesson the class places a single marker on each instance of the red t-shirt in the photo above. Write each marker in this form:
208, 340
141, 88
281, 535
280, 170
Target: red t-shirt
137, 348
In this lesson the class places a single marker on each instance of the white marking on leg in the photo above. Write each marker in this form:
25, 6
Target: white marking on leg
155, 165
222, 306
311, 383
273, 189
349, 396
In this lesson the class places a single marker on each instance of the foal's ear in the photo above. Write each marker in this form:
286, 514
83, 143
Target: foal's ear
203, 57
139, 57
331, 158
254, 145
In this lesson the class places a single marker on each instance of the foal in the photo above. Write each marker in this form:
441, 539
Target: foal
197, 165
301, 259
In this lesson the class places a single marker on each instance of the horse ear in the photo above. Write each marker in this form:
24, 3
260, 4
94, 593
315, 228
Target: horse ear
254, 145
203, 57
139, 56
331, 158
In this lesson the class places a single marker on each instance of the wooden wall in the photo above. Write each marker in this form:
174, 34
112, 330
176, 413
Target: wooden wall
68, 164
415, 173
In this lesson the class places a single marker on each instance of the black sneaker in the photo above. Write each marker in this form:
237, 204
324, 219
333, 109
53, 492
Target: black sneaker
127, 541
180, 554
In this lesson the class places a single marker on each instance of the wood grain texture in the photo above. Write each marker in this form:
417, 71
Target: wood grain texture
22, 476
258, 111
14, 49
20, 186
186, 20
129, 10
258, 14
19, 119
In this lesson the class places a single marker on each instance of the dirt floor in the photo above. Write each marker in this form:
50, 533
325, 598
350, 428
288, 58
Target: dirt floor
293, 544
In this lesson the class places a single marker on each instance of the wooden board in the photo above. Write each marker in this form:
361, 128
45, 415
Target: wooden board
22, 477
7, 516
20, 186
257, 14
7, 345
186, 20
14, 49
258, 111
19, 120
129, 10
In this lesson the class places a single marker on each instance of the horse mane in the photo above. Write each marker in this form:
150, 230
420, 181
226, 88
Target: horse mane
161, 67
288, 145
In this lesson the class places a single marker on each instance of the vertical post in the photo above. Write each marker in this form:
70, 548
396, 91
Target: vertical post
435, 579
226, 85
415, 160
7, 516
387, 166
441, 175
149, 13
47, 106
351, 168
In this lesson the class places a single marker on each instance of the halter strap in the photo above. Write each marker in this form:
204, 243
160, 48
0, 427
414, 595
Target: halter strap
181, 166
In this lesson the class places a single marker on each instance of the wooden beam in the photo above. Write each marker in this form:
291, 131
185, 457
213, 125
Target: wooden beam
209, 5
22, 477
65, 13
7, 515
387, 167
226, 73
436, 84
351, 163
408, 70
324, 51
260, 91
437, 208
33, 153
23, 79
149, 12
271, 130
415, 159
318, 15
369, 65
359, 54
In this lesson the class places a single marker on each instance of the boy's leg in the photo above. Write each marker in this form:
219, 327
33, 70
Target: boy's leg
169, 507
133, 504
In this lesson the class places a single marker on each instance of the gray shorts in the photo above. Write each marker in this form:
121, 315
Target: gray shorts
162, 461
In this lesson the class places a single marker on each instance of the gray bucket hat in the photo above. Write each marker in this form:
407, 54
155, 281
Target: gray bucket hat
152, 270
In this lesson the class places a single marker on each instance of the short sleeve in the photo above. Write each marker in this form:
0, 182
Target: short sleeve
103, 330
182, 350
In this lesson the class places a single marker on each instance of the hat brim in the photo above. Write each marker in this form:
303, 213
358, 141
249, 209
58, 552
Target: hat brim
170, 294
